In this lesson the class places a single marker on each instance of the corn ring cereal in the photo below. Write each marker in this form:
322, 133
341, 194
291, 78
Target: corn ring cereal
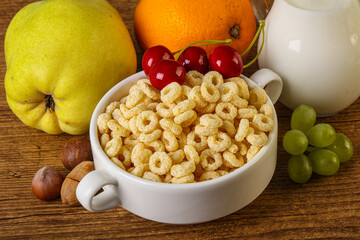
139, 170
170, 142
186, 179
104, 138
191, 154
131, 140
182, 169
160, 163
209, 92
181, 139
185, 119
210, 160
214, 78
177, 156
151, 176
129, 113
157, 145
183, 106
165, 110
140, 154
198, 141
242, 86
243, 130
226, 111
101, 122
211, 120
147, 121
228, 91
195, 94
219, 142
257, 97
118, 163
149, 90
256, 137
168, 125
194, 78
230, 160
170, 92
228, 127
112, 106
205, 131
247, 113
209, 175
267, 110
125, 156
207, 109
134, 98
263, 122
239, 102
253, 150
133, 126
150, 137
112, 147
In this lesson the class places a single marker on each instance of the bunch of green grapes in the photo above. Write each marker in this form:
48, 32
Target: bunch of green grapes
314, 148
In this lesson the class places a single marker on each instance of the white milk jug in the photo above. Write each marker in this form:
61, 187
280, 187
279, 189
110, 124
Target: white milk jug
314, 45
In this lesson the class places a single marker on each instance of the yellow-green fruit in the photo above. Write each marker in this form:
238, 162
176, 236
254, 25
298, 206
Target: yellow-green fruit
62, 56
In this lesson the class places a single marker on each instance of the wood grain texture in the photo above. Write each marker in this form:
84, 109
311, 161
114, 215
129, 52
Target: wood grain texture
323, 208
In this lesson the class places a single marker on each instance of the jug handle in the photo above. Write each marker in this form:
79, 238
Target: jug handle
270, 82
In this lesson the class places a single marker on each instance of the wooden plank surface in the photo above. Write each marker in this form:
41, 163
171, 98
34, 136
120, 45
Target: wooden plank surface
323, 208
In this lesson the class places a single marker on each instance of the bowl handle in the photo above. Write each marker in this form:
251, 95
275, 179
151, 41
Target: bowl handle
91, 184
270, 81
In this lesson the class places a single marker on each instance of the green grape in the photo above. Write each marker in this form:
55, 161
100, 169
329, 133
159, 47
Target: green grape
295, 142
343, 147
324, 161
299, 168
321, 135
303, 118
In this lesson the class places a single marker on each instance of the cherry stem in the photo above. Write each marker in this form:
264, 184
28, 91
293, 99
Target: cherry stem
200, 43
261, 28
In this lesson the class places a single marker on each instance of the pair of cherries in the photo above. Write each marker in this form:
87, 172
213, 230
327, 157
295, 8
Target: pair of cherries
160, 65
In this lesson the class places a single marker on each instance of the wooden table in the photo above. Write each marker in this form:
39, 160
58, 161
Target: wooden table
323, 208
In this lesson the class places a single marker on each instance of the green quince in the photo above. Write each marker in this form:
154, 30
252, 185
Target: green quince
62, 56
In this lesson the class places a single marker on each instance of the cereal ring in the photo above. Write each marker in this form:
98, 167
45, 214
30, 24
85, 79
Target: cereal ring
226, 111
156, 146
183, 106
165, 110
112, 106
168, 125
160, 163
139, 170
125, 156
219, 142
101, 122
208, 175
257, 97
131, 140
140, 155
195, 94
239, 102
209, 92
147, 121
118, 163
133, 127
210, 160
151, 176
144, 80
149, 90
214, 78
117, 130
117, 115
150, 137
104, 139
242, 85
181, 139
170, 92
263, 123
267, 110
222, 172
253, 150
129, 113
182, 169
112, 147
134, 98
185, 119
232, 161
243, 130
186, 90
205, 131
211, 120
170, 141
191, 154
168, 177
233, 148
186, 179
123, 100
207, 109
228, 91
152, 106
242, 149
247, 113
198, 141
194, 78
228, 127
256, 137
133, 88
177, 156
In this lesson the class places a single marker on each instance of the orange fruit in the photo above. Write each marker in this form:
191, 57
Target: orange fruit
177, 23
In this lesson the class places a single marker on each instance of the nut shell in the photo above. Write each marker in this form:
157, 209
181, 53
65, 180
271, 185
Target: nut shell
68, 188
47, 183
75, 151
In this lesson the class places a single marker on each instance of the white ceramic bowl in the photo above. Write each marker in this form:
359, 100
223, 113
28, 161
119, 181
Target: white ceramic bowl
173, 203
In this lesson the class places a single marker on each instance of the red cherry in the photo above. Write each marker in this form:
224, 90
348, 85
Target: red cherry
153, 55
167, 71
194, 58
227, 61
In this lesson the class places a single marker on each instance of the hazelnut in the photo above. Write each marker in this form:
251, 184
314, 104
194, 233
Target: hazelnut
68, 188
74, 151
46, 183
